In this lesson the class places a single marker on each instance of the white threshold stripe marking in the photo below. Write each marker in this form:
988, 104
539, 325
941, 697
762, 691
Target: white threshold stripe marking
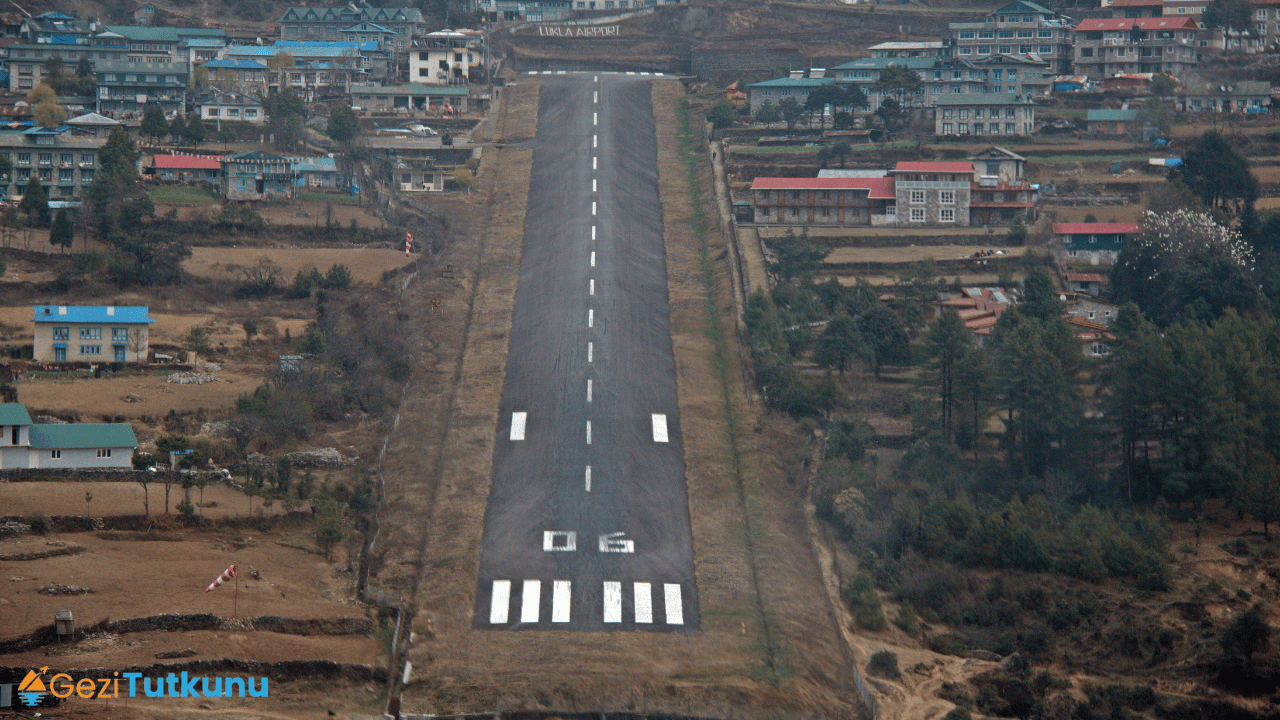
591, 317
591, 286
675, 612
500, 602
660, 428
593, 258
517, 425
589, 345
588, 432
612, 602
644, 602
588, 478
588, 390
560, 592
530, 598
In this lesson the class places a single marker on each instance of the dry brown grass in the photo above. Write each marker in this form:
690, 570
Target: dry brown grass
366, 264
916, 253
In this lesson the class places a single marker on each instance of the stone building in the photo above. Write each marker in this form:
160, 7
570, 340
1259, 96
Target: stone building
1019, 28
983, 114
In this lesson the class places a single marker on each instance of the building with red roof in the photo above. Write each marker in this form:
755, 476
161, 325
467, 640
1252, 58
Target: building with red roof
988, 189
187, 168
1090, 244
1106, 47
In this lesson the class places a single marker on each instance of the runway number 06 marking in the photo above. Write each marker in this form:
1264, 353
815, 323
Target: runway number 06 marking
567, 541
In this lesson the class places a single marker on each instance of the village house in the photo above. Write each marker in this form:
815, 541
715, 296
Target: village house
414, 96
1090, 308
446, 57
256, 175
1105, 47
125, 89
92, 125
979, 309
1242, 96
1104, 121
327, 23
26, 445
314, 172
823, 201
1083, 283
1001, 194
242, 75
984, 114
234, 106
187, 168
64, 163
910, 49
1019, 28
1078, 244
90, 333
797, 85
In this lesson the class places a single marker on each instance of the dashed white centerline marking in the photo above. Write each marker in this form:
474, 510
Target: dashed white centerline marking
660, 428
675, 612
593, 163
591, 286
530, 598
500, 601
595, 96
593, 232
593, 185
595, 118
644, 603
588, 390
612, 602
593, 258
595, 78
560, 592
588, 483
588, 432
589, 346
593, 207
591, 318
517, 425
569, 544
595, 141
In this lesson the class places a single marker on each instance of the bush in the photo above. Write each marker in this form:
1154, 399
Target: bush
907, 619
884, 664
958, 713
338, 278
38, 523
186, 508
861, 596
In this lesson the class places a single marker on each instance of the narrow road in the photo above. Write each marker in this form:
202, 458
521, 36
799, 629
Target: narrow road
587, 526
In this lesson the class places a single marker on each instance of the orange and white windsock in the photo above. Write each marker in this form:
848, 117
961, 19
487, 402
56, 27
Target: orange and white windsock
226, 575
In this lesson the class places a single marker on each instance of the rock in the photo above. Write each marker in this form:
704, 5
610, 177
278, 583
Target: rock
1016, 665
191, 378
980, 654
216, 429
212, 367
57, 589
319, 457
132, 398
49, 420
13, 528
170, 654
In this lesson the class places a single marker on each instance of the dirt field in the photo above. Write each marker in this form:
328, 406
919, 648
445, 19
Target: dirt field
1104, 213
117, 498
913, 254
366, 264
140, 578
288, 214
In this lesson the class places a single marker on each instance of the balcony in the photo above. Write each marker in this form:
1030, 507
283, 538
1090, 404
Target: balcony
86, 164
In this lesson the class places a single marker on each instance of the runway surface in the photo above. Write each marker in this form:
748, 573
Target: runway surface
587, 525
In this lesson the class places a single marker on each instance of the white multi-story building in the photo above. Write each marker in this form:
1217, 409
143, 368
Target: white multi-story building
446, 57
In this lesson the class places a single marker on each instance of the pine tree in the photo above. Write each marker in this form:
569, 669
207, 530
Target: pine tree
35, 203
62, 234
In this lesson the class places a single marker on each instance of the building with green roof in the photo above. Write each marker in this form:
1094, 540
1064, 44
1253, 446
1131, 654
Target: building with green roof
25, 444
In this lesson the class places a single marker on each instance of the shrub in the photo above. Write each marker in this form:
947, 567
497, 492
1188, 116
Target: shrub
958, 713
186, 508
38, 523
884, 664
907, 619
861, 596
338, 278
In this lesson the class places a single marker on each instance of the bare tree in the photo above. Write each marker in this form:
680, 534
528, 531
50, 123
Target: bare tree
136, 342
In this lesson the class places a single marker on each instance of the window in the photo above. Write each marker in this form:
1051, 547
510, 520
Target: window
966, 34
66, 176
104, 452
986, 35
937, 89
917, 214
1044, 33
946, 128
90, 333
964, 113
62, 333
917, 197
984, 49
109, 77
977, 113
996, 75
966, 50
1006, 49
90, 349
1026, 33
251, 113
1260, 14
947, 215
55, 454
1048, 50
1009, 128
1182, 10
947, 197
119, 334
964, 128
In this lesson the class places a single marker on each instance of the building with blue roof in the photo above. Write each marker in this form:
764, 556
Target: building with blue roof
319, 69
314, 172
327, 23
27, 60
91, 333
73, 446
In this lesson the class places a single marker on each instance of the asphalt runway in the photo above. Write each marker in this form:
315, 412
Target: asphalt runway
587, 525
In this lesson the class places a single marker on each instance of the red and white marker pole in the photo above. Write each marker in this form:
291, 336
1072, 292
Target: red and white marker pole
408, 243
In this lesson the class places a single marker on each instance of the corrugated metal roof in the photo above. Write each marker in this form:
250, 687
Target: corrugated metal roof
881, 188
14, 414
842, 173
794, 82
980, 99
1106, 115
83, 435
1156, 23
91, 314
946, 167
882, 63
187, 162
1094, 228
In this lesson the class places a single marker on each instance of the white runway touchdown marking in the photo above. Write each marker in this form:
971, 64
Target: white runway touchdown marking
591, 286
660, 428
588, 391
530, 598
559, 541
589, 351
675, 612
588, 432
593, 258
591, 318
588, 483
560, 591
517, 425
500, 601
644, 73
644, 603
612, 602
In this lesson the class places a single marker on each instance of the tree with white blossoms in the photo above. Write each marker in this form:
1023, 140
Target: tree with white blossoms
1186, 266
